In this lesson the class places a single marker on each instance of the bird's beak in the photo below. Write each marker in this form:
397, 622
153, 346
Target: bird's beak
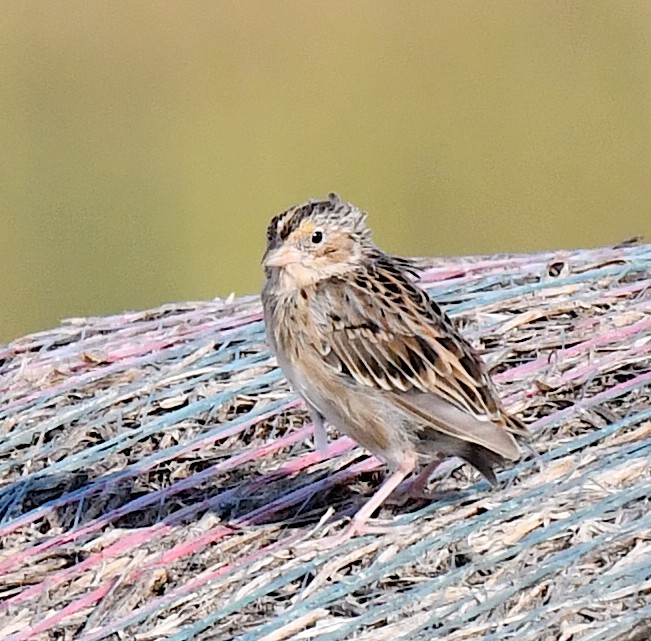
281, 257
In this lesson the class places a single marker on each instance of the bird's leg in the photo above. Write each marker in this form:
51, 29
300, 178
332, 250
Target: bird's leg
358, 525
320, 434
416, 488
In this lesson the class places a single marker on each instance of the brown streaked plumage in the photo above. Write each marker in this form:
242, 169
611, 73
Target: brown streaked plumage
371, 353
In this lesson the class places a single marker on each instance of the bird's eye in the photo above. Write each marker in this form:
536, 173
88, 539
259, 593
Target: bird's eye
317, 236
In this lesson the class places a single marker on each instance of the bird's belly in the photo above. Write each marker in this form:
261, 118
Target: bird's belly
360, 413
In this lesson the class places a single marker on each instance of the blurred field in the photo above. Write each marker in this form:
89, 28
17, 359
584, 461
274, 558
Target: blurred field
145, 145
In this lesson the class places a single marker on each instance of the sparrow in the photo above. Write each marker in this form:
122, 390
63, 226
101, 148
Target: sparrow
371, 354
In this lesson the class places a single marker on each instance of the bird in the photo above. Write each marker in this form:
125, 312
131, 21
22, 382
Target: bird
372, 354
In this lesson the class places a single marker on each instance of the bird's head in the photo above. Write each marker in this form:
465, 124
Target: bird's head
314, 241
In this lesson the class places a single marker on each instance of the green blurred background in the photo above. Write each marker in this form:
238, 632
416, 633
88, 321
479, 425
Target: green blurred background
145, 145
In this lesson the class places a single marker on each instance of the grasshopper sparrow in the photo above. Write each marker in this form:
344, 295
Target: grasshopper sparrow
371, 354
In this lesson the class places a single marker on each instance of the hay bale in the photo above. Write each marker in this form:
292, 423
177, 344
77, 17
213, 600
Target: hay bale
157, 478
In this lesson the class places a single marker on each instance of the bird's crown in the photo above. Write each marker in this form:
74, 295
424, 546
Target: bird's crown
331, 212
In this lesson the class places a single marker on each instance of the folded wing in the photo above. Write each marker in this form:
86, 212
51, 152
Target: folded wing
390, 336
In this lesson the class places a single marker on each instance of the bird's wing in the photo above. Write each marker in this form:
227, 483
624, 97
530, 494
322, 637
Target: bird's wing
385, 333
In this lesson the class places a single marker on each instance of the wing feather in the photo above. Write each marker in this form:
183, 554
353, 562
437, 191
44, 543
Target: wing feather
390, 336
